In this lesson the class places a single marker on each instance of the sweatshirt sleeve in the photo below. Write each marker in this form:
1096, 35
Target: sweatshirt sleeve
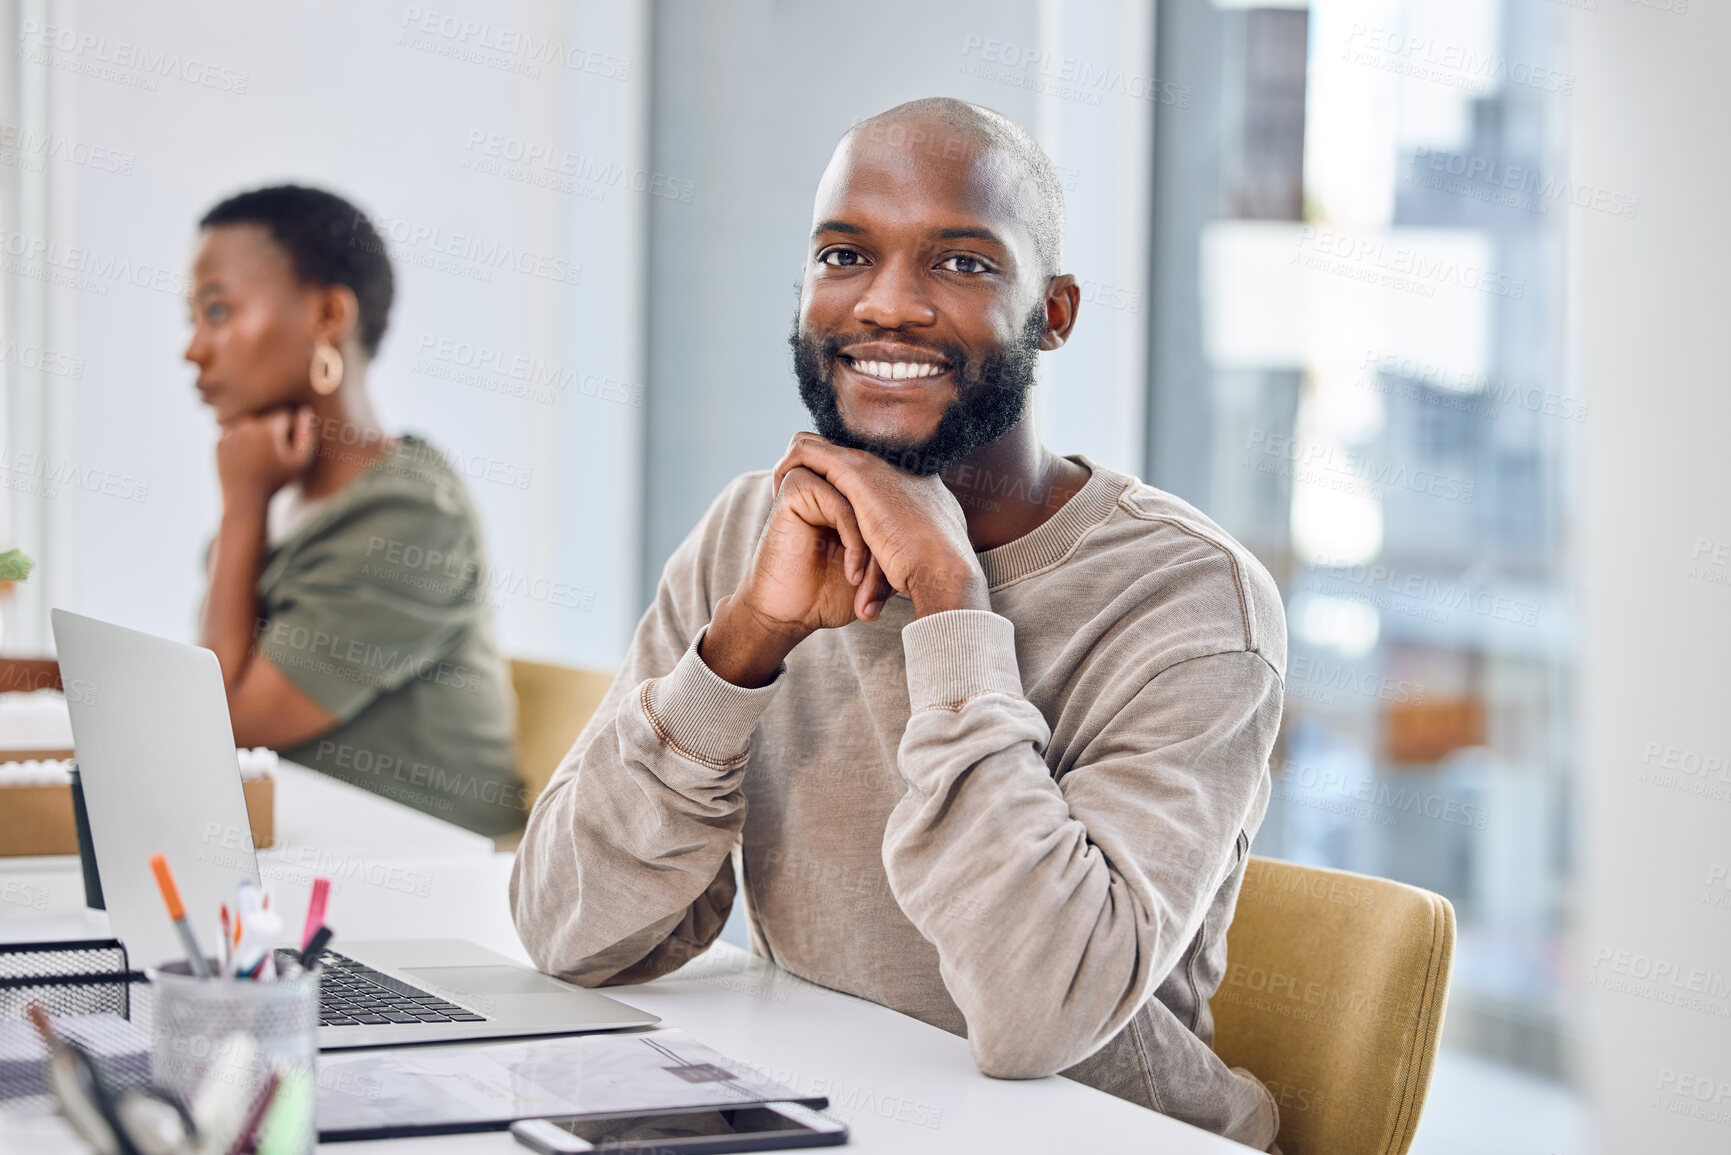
1057, 906
625, 870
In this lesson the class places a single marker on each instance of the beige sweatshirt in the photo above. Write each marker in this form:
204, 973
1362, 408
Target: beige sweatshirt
1025, 826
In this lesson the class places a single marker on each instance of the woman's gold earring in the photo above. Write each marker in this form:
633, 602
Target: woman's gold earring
327, 374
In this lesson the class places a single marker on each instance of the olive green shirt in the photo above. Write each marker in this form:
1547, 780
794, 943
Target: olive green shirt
375, 605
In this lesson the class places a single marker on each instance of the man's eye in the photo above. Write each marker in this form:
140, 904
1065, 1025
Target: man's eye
962, 263
215, 312
841, 259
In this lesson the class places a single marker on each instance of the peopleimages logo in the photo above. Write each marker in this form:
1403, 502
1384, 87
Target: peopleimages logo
1696, 1096
22, 894
134, 64
1445, 594
1474, 392
27, 471
1379, 261
1660, 972
519, 374
466, 254
489, 149
1319, 674
1454, 65
1332, 790
1332, 467
480, 36
1485, 178
102, 267
1711, 561
1294, 996
442, 782
40, 360
1705, 775
1266, 875
466, 576
29, 145
357, 659
1065, 76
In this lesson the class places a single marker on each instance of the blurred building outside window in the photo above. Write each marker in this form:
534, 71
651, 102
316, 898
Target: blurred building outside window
1357, 369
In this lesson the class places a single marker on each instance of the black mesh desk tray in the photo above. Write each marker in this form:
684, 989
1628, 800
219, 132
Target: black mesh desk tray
92, 994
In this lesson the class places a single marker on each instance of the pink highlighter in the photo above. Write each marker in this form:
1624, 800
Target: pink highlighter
316, 910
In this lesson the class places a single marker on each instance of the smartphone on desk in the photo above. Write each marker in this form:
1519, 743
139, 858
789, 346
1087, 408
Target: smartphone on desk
759, 1127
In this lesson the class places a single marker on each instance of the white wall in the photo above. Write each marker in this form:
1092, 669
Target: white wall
1653, 949
381, 103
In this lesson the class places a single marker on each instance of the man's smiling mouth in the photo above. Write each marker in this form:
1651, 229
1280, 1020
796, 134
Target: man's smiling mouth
896, 370
890, 364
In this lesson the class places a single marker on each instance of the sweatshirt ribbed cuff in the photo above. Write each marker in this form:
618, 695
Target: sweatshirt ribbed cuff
704, 717
958, 655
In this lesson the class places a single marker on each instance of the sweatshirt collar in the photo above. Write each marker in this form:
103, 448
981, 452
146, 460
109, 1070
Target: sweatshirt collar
1057, 537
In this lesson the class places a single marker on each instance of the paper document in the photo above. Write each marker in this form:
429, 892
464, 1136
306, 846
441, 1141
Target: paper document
477, 1086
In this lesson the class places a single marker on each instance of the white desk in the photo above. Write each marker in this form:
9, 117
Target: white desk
901, 1085
315, 811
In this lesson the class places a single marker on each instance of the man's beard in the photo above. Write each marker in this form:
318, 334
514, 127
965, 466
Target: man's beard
991, 395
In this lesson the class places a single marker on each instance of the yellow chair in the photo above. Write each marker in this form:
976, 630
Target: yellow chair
554, 703
1333, 996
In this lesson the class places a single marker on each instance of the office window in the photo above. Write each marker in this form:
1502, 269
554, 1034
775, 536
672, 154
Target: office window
1357, 369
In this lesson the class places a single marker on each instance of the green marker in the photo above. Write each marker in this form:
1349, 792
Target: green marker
287, 1127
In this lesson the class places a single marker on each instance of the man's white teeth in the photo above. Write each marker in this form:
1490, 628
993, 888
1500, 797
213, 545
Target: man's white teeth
898, 370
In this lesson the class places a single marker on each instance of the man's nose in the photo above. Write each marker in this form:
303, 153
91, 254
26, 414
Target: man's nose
197, 349
895, 297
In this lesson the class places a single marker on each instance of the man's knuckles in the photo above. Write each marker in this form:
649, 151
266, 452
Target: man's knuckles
804, 493
798, 487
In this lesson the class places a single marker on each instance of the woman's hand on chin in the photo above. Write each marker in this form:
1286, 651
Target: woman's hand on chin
260, 453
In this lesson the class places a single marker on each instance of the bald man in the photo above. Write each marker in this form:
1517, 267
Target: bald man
988, 727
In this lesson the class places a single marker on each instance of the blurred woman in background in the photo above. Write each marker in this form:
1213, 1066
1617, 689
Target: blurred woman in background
347, 599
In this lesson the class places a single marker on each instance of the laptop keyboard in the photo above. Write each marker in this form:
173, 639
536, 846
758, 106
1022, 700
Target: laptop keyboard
351, 994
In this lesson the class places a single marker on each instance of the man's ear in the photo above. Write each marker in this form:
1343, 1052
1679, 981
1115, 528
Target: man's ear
1063, 298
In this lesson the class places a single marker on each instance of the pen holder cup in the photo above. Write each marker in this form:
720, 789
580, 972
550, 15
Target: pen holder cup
196, 1048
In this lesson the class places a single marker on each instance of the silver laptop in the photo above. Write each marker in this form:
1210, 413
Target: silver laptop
157, 759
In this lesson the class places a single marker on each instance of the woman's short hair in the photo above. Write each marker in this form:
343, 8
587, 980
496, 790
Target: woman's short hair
329, 242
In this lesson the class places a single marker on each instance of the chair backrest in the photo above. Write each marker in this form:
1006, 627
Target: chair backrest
1333, 996
554, 703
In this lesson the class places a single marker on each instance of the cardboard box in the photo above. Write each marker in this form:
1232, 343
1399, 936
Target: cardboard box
38, 819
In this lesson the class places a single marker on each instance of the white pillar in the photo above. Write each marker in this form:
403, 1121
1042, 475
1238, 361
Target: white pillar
1652, 954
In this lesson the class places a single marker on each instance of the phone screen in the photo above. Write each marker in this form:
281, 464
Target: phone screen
634, 1129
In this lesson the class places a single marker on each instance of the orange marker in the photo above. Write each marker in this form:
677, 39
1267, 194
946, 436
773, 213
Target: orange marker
177, 912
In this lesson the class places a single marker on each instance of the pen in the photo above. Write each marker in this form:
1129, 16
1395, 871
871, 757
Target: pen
177, 912
225, 956
316, 910
244, 1139
315, 947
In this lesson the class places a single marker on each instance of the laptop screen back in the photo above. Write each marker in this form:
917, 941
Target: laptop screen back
156, 755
